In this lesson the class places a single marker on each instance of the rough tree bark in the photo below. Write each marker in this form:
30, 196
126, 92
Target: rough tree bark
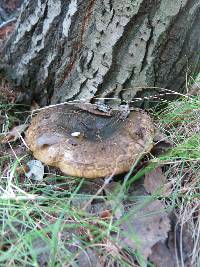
65, 50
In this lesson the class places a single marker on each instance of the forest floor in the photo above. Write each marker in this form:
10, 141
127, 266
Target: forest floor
147, 217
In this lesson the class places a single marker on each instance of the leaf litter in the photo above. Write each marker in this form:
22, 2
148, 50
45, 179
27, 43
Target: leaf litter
145, 227
156, 181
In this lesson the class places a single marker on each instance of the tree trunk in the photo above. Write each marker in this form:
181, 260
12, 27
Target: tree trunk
66, 50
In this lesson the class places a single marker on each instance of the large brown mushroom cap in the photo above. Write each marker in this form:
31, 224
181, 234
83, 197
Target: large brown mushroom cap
89, 144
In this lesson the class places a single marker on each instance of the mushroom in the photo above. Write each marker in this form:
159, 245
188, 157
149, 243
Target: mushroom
86, 142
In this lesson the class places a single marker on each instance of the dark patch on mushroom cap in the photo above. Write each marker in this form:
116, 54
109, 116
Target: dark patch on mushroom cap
102, 145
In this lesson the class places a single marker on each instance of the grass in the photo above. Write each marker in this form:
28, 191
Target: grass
51, 223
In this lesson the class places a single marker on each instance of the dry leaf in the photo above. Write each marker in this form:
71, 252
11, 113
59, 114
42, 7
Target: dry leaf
88, 258
106, 214
145, 227
42, 251
14, 134
101, 110
22, 169
154, 180
162, 257
162, 144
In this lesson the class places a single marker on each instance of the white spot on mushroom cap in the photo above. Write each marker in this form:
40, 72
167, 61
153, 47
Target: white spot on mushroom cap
75, 134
